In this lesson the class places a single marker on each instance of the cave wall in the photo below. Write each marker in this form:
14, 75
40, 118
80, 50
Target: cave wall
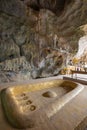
28, 28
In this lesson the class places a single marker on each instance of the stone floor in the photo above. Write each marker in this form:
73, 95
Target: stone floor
73, 116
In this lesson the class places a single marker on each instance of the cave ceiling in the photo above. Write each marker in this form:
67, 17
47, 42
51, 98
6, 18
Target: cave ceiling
71, 14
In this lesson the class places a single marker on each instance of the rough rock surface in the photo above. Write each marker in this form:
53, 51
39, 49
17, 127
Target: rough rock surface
29, 27
50, 65
13, 7
8, 49
15, 64
82, 47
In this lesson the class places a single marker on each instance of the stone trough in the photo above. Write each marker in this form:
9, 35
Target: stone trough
27, 106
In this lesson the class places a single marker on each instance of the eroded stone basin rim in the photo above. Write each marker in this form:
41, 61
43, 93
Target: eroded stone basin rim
23, 120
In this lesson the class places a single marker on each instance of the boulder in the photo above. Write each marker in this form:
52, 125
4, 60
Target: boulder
50, 65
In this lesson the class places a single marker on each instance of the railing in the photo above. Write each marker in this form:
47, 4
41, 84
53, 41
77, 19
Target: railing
77, 72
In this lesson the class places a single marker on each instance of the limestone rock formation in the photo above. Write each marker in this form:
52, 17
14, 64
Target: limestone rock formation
13, 7
15, 69
30, 51
81, 47
67, 10
28, 27
8, 49
50, 65
83, 57
15, 64
70, 16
